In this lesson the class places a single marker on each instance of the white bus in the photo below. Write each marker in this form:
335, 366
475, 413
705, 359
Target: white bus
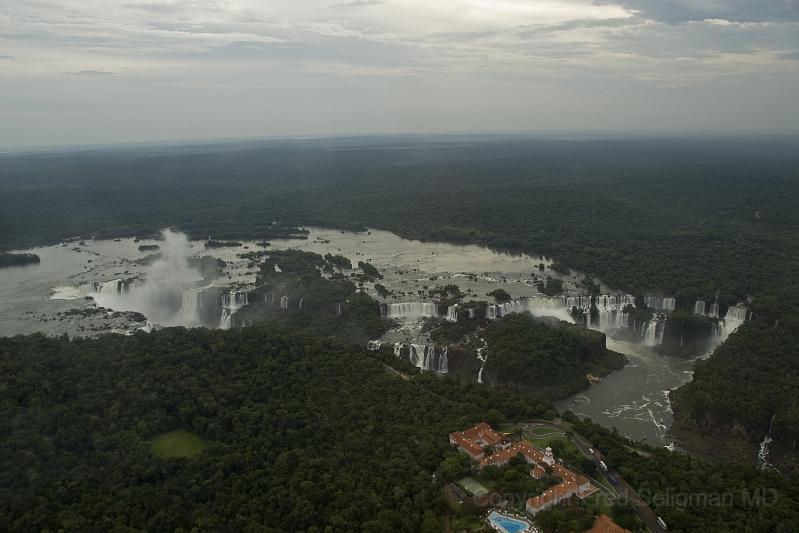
603, 465
662, 523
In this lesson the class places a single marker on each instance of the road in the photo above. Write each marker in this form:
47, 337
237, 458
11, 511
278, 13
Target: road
621, 487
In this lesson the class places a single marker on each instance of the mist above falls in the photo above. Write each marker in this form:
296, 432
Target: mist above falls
170, 291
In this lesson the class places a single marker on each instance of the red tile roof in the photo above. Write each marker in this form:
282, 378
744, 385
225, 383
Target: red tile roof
500, 457
474, 439
604, 524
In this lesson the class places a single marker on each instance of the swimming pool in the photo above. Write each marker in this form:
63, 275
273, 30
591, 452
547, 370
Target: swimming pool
507, 524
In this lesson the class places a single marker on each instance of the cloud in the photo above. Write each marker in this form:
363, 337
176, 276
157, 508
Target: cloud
677, 11
363, 58
354, 4
90, 72
5, 57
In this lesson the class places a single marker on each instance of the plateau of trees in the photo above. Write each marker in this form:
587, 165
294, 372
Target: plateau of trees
551, 358
299, 433
695, 218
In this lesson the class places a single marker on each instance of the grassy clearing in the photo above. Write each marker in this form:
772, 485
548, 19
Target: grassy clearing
507, 427
473, 487
543, 436
176, 444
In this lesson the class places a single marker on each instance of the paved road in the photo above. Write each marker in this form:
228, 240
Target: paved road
621, 487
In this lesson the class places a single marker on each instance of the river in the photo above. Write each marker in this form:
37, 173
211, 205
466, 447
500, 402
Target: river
634, 399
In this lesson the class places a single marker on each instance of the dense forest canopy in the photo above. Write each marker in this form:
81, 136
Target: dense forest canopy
695, 495
693, 218
299, 434
552, 358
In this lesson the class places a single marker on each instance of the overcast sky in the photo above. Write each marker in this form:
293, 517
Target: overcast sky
88, 71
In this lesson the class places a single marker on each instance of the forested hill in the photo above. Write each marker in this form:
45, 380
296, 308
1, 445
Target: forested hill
275, 432
254, 430
693, 215
696, 218
552, 359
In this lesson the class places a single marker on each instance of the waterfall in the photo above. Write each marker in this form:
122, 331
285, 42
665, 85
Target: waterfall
227, 318
231, 302
483, 358
190, 306
714, 310
609, 309
452, 313
373, 345
410, 310
116, 286
763, 453
699, 307
284, 302
235, 299
424, 357
735, 316
471, 311
300, 306
652, 331
663, 304
339, 310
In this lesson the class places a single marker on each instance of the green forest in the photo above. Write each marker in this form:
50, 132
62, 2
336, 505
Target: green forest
551, 359
298, 433
695, 495
692, 218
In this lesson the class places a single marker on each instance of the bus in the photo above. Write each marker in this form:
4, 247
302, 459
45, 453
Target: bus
603, 465
662, 523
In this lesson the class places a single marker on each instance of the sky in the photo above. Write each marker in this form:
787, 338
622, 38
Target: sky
104, 71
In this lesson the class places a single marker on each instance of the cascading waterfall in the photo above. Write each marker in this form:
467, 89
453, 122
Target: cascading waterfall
452, 313
284, 302
706, 308
190, 306
610, 309
662, 304
423, 356
652, 331
605, 312
763, 452
339, 310
483, 357
231, 302
409, 310
699, 307
226, 322
115, 286
300, 306
735, 316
